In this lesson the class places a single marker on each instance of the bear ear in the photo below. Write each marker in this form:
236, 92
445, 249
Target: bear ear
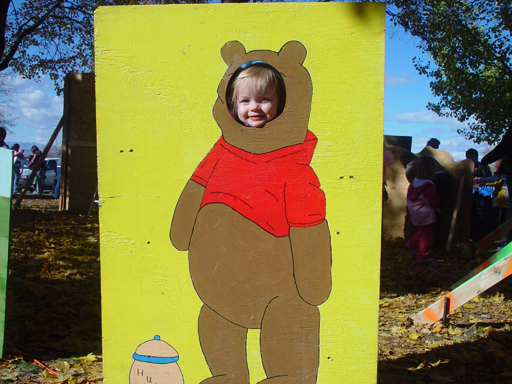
293, 51
230, 50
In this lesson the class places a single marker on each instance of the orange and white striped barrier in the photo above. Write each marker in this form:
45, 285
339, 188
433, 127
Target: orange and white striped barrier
480, 246
466, 290
503, 229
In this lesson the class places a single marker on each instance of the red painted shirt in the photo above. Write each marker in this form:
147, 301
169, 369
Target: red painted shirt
275, 190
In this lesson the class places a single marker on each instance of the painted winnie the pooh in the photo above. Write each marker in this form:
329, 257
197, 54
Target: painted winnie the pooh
252, 217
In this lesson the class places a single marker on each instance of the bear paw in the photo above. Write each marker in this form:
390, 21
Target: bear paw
225, 380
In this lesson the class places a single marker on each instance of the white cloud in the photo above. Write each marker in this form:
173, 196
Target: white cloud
417, 116
20, 83
429, 117
458, 145
451, 142
399, 79
423, 125
42, 135
36, 98
36, 108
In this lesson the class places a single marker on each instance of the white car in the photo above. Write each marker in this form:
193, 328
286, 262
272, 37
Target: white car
51, 173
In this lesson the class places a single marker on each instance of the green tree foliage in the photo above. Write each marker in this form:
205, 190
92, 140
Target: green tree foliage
46, 37
469, 43
52, 37
6, 119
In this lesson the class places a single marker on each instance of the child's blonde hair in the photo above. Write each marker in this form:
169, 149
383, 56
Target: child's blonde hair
261, 77
426, 168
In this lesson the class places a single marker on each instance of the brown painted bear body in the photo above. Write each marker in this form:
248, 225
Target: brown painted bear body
247, 277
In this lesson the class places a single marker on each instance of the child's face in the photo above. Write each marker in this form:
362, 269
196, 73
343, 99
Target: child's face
256, 109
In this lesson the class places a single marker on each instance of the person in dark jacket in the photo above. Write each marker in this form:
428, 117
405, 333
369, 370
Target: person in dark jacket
502, 150
482, 213
434, 143
3, 134
41, 172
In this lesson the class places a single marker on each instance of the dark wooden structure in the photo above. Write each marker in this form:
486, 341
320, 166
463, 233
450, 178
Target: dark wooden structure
79, 177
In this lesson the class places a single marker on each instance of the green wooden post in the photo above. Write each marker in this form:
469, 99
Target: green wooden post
6, 161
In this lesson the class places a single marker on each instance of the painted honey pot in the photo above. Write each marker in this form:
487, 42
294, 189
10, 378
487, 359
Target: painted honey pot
155, 362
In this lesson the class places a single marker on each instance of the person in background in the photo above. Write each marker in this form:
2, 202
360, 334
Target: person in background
422, 203
56, 189
16, 168
42, 170
30, 166
3, 134
434, 143
442, 182
502, 209
482, 215
502, 150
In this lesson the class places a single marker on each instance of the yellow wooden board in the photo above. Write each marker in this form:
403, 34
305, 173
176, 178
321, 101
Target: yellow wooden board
157, 73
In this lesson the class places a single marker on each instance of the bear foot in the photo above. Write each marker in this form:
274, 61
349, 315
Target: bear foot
284, 380
224, 380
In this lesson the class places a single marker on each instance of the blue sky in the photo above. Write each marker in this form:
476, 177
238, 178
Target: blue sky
406, 96
37, 108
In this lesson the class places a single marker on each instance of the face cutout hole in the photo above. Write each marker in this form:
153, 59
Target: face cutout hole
256, 94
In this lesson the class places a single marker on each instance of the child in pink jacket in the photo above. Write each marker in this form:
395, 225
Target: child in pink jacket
422, 202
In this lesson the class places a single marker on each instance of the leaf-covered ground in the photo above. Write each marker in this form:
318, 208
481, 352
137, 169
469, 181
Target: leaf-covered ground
53, 319
53, 316
475, 346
